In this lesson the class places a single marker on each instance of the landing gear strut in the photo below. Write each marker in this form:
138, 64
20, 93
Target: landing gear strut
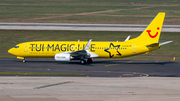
24, 60
89, 60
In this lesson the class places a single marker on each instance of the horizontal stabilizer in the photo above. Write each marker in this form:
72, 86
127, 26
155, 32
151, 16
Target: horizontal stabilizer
153, 45
163, 43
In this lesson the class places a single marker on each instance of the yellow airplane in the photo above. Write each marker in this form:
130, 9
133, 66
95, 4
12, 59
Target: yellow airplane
86, 51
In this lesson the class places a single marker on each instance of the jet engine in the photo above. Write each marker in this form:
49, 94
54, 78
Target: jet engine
63, 57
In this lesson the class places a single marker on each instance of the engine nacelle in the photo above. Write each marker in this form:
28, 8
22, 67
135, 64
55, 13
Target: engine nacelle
62, 57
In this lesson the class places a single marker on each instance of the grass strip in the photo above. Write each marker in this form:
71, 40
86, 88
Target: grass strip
88, 11
7, 56
39, 73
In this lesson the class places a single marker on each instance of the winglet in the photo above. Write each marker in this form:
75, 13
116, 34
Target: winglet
88, 44
128, 38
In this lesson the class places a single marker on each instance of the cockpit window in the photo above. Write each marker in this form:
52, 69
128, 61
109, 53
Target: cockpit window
16, 46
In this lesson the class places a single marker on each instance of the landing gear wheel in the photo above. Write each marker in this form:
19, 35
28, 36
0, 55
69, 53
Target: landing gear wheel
89, 60
83, 61
24, 60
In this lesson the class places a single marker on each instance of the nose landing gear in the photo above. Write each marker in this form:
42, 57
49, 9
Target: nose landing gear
24, 60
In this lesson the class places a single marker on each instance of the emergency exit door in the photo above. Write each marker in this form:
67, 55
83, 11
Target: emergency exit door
134, 48
25, 47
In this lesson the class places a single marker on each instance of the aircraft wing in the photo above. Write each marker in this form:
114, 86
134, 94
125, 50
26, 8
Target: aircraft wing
77, 55
84, 54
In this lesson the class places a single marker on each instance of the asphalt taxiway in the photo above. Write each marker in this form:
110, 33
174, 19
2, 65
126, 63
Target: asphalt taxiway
99, 68
107, 80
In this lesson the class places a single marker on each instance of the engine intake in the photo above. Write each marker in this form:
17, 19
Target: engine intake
63, 57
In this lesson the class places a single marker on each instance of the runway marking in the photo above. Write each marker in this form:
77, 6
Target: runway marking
6, 83
53, 85
117, 64
144, 99
163, 89
129, 62
111, 65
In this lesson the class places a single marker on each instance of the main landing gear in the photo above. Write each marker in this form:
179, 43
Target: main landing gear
83, 61
89, 60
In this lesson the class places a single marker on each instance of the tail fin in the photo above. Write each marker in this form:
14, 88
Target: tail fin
152, 33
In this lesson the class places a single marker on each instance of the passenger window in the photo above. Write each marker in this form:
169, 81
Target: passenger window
16, 46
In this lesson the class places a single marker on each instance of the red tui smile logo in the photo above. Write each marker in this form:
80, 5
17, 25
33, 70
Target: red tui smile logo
152, 36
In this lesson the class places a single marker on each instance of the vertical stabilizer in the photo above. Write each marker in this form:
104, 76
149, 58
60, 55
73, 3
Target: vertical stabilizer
152, 33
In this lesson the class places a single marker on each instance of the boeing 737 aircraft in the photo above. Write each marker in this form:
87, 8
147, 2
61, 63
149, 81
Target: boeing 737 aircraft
86, 51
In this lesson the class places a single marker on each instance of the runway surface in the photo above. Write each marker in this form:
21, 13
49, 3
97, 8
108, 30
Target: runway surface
99, 68
83, 27
89, 89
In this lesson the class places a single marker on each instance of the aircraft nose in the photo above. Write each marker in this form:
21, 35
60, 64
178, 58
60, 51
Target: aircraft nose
10, 51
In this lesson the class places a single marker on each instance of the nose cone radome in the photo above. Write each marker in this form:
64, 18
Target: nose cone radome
10, 51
